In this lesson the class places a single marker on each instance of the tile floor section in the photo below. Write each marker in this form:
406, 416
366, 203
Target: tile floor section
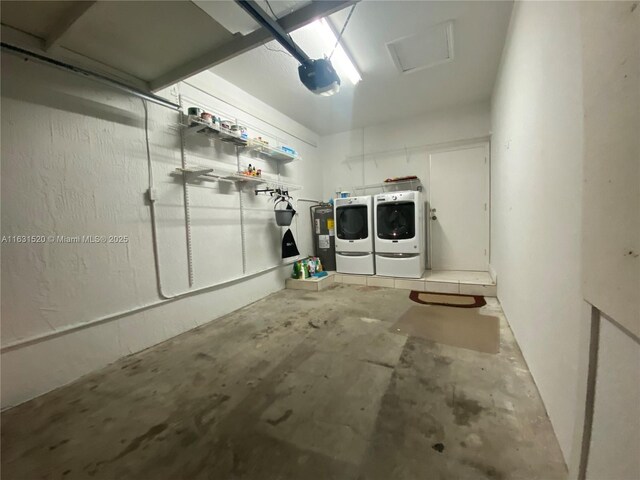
467, 283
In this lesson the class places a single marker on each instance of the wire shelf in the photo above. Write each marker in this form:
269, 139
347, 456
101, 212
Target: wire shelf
409, 184
225, 135
275, 153
208, 174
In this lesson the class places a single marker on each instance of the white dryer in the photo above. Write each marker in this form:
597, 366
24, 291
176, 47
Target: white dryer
400, 236
354, 235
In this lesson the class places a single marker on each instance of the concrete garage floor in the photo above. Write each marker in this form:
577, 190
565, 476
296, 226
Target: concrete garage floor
299, 385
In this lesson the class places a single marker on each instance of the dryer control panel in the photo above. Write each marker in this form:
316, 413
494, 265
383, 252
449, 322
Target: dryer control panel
397, 197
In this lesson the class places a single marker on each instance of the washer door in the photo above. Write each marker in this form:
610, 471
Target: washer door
396, 220
352, 222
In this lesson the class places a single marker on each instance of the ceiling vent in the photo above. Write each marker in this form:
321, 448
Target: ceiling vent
428, 48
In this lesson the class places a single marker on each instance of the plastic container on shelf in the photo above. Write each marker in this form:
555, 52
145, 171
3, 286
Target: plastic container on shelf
288, 150
207, 118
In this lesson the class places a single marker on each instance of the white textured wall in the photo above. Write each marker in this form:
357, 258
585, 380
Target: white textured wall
565, 122
344, 166
611, 243
74, 163
615, 440
611, 229
536, 199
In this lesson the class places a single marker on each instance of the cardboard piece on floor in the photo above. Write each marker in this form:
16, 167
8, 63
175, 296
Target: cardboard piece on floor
458, 327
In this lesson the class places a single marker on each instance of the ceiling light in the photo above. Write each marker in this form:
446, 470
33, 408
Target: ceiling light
318, 75
341, 61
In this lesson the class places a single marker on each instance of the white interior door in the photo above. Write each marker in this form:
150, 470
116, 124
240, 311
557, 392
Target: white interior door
458, 212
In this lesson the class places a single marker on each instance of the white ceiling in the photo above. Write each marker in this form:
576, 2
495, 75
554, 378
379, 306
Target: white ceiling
143, 39
150, 44
384, 94
236, 20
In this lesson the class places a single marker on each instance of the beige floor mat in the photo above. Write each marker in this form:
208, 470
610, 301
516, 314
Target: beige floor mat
458, 327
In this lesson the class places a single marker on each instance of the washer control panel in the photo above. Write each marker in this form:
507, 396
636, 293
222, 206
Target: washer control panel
397, 196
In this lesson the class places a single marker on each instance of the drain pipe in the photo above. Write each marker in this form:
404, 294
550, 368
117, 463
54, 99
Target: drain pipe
151, 197
92, 75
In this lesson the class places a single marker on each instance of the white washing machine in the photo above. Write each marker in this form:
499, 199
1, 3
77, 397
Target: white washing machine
354, 235
400, 236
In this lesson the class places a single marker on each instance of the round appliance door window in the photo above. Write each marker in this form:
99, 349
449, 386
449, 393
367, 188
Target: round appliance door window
396, 221
352, 222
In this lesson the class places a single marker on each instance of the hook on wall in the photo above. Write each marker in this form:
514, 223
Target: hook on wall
275, 193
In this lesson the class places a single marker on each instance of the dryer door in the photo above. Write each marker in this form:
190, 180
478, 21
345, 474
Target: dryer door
352, 229
396, 229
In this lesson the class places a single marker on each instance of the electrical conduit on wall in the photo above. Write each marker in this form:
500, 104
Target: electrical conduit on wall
166, 297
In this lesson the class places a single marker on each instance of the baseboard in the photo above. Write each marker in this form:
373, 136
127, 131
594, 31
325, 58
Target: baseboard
493, 273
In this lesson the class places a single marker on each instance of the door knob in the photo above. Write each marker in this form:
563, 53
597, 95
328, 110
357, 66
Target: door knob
434, 217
